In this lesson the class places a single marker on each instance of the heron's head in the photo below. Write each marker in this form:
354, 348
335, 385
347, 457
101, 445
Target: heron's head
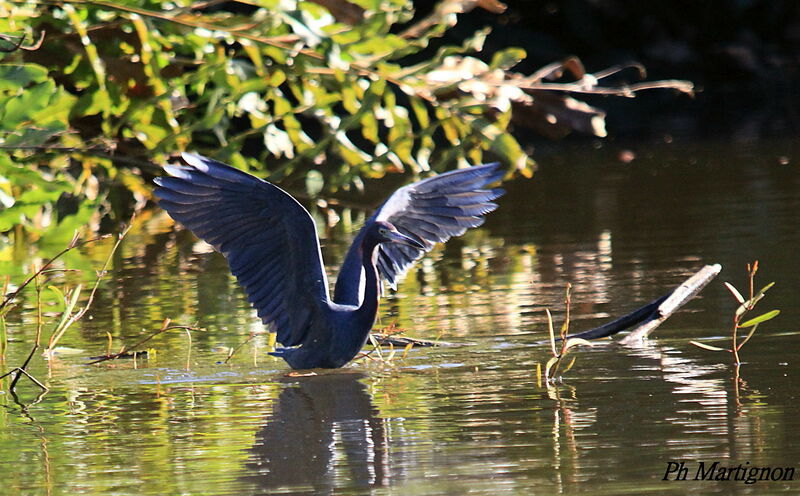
385, 232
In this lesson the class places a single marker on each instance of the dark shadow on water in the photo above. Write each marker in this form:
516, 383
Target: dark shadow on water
324, 433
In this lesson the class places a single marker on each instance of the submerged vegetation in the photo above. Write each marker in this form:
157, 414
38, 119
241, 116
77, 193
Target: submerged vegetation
95, 95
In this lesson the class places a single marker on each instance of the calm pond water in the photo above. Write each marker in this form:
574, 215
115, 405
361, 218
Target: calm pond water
454, 420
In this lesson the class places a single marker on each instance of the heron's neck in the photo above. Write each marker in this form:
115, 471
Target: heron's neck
348, 284
354, 324
368, 306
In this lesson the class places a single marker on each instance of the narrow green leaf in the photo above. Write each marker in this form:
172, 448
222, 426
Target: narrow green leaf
707, 346
766, 288
62, 300
758, 296
420, 112
747, 338
761, 318
568, 367
67, 319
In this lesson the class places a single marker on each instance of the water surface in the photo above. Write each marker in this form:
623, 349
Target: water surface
455, 420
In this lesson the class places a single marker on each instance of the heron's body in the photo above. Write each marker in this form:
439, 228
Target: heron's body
271, 246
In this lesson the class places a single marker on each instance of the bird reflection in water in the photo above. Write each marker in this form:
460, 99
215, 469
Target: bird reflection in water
315, 420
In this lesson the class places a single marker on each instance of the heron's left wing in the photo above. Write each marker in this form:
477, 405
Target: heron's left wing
269, 239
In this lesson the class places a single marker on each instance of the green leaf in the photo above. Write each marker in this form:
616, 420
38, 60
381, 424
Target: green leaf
420, 112
20, 110
758, 296
765, 288
568, 367
15, 77
32, 136
508, 58
707, 346
761, 318
94, 101
69, 306
747, 338
507, 147
62, 300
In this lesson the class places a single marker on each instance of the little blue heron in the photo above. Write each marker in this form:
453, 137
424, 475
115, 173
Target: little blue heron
271, 246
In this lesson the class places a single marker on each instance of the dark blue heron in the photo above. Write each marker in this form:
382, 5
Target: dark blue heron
271, 246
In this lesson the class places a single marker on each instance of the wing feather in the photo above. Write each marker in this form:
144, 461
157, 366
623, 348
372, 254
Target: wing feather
267, 237
431, 211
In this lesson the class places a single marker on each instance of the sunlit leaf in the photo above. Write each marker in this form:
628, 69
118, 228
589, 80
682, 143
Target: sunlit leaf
735, 292
765, 288
62, 300
707, 346
507, 58
569, 366
552, 332
550, 363
761, 318
573, 342
16, 77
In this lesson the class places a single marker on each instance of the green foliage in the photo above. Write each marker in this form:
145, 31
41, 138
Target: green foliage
745, 306
285, 89
307, 97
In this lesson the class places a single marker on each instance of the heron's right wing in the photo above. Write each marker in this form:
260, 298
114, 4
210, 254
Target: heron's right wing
434, 210
431, 211
267, 237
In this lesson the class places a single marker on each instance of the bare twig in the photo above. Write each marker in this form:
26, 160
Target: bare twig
22, 369
65, 324
624, 90
387, 339
17, 41
241, 345
189, 353
679, 297
125, 349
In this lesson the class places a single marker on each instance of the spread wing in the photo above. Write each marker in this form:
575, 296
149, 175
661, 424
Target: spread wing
434, 210
431, 211
267, 237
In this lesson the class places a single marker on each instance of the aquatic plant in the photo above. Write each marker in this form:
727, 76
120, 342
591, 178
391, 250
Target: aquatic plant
745, 307
40, 277
559, 353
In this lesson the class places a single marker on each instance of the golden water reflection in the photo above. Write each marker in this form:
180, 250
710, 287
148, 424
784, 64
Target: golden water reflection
445, 420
